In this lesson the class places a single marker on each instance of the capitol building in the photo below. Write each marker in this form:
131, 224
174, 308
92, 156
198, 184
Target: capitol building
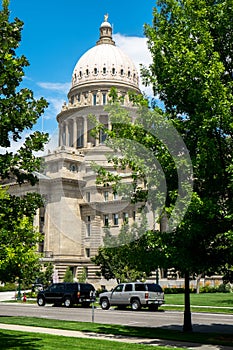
76, 210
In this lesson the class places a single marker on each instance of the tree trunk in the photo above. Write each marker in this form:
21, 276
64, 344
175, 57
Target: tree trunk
187, 326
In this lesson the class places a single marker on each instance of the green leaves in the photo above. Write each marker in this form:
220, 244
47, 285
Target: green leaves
19, 112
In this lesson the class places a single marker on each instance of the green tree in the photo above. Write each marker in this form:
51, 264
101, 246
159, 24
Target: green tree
127, 256
198, 238
45, 275
191, 47
19, 111
68, 277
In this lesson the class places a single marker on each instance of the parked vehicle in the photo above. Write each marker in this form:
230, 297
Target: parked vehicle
67, 294
134, 294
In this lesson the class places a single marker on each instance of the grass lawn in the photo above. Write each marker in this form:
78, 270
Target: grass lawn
35, 341
153, 333
202, 299
209, 302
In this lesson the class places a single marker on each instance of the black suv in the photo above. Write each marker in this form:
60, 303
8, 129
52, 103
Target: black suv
67, 294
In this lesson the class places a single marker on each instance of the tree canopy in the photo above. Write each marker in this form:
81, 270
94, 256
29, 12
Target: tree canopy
191, 71
19, 112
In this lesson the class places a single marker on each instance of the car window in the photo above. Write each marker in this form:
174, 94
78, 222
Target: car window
118, 288
152, 287
128, 287
140, 287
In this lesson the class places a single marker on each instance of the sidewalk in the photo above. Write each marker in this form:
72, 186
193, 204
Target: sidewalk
117, 338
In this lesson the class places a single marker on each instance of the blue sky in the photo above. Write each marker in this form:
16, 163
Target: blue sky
58, 32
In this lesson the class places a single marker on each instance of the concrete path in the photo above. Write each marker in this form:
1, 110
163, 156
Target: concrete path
117, 338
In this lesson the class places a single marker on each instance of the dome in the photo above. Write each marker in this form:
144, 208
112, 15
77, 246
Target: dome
105, 63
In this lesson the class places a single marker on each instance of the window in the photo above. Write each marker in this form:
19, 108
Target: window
128, 288
87, 72
94, 99
119, 288
80, 74
113, 71
140, 287
106, 220
125, 218
122, 71
95, 71
115, 196
105, 196
88, 226
128, 74
115, 219
104, 99
88, 197
73, 167
104, 70
88, 253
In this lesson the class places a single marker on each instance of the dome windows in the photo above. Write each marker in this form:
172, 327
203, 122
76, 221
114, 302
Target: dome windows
122, 71
95, 71
87, 72
113, 71
80, 74
104, 70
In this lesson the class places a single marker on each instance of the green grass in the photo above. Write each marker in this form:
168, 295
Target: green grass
153, 333
209, 302
35, 341
202, 299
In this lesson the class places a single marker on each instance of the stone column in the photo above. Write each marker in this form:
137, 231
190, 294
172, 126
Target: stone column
97, 140
60, 135
75, 133
67, 134
85, 126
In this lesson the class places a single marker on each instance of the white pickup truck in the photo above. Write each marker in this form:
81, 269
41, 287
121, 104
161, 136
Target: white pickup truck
134, 294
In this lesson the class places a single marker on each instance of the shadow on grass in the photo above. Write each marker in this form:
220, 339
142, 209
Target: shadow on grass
172, 334
18, 341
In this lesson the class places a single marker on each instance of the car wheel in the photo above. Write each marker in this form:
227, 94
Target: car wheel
67, 302
104, 304
41, 301
135, 305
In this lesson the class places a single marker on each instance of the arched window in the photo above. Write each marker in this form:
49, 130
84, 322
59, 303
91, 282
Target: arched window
87, 72
113, 71
95, 71
122, 71
104, 70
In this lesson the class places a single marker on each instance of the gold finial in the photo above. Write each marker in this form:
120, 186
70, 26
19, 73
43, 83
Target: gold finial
106, 17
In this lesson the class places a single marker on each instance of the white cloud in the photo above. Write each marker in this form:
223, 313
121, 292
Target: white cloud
136, 48
58, 87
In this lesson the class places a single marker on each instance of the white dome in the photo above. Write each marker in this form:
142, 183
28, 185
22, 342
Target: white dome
105, 63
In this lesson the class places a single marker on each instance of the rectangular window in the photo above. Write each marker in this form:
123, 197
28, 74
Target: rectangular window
106, 220
94, 99
88, 197
88, 253
104, 99
115, 196
126, 218
115, 219
88, 225
105, 196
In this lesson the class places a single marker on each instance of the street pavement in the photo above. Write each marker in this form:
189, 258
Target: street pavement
6, 296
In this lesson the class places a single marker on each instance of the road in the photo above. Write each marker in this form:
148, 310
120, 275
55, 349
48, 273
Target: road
203, 322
